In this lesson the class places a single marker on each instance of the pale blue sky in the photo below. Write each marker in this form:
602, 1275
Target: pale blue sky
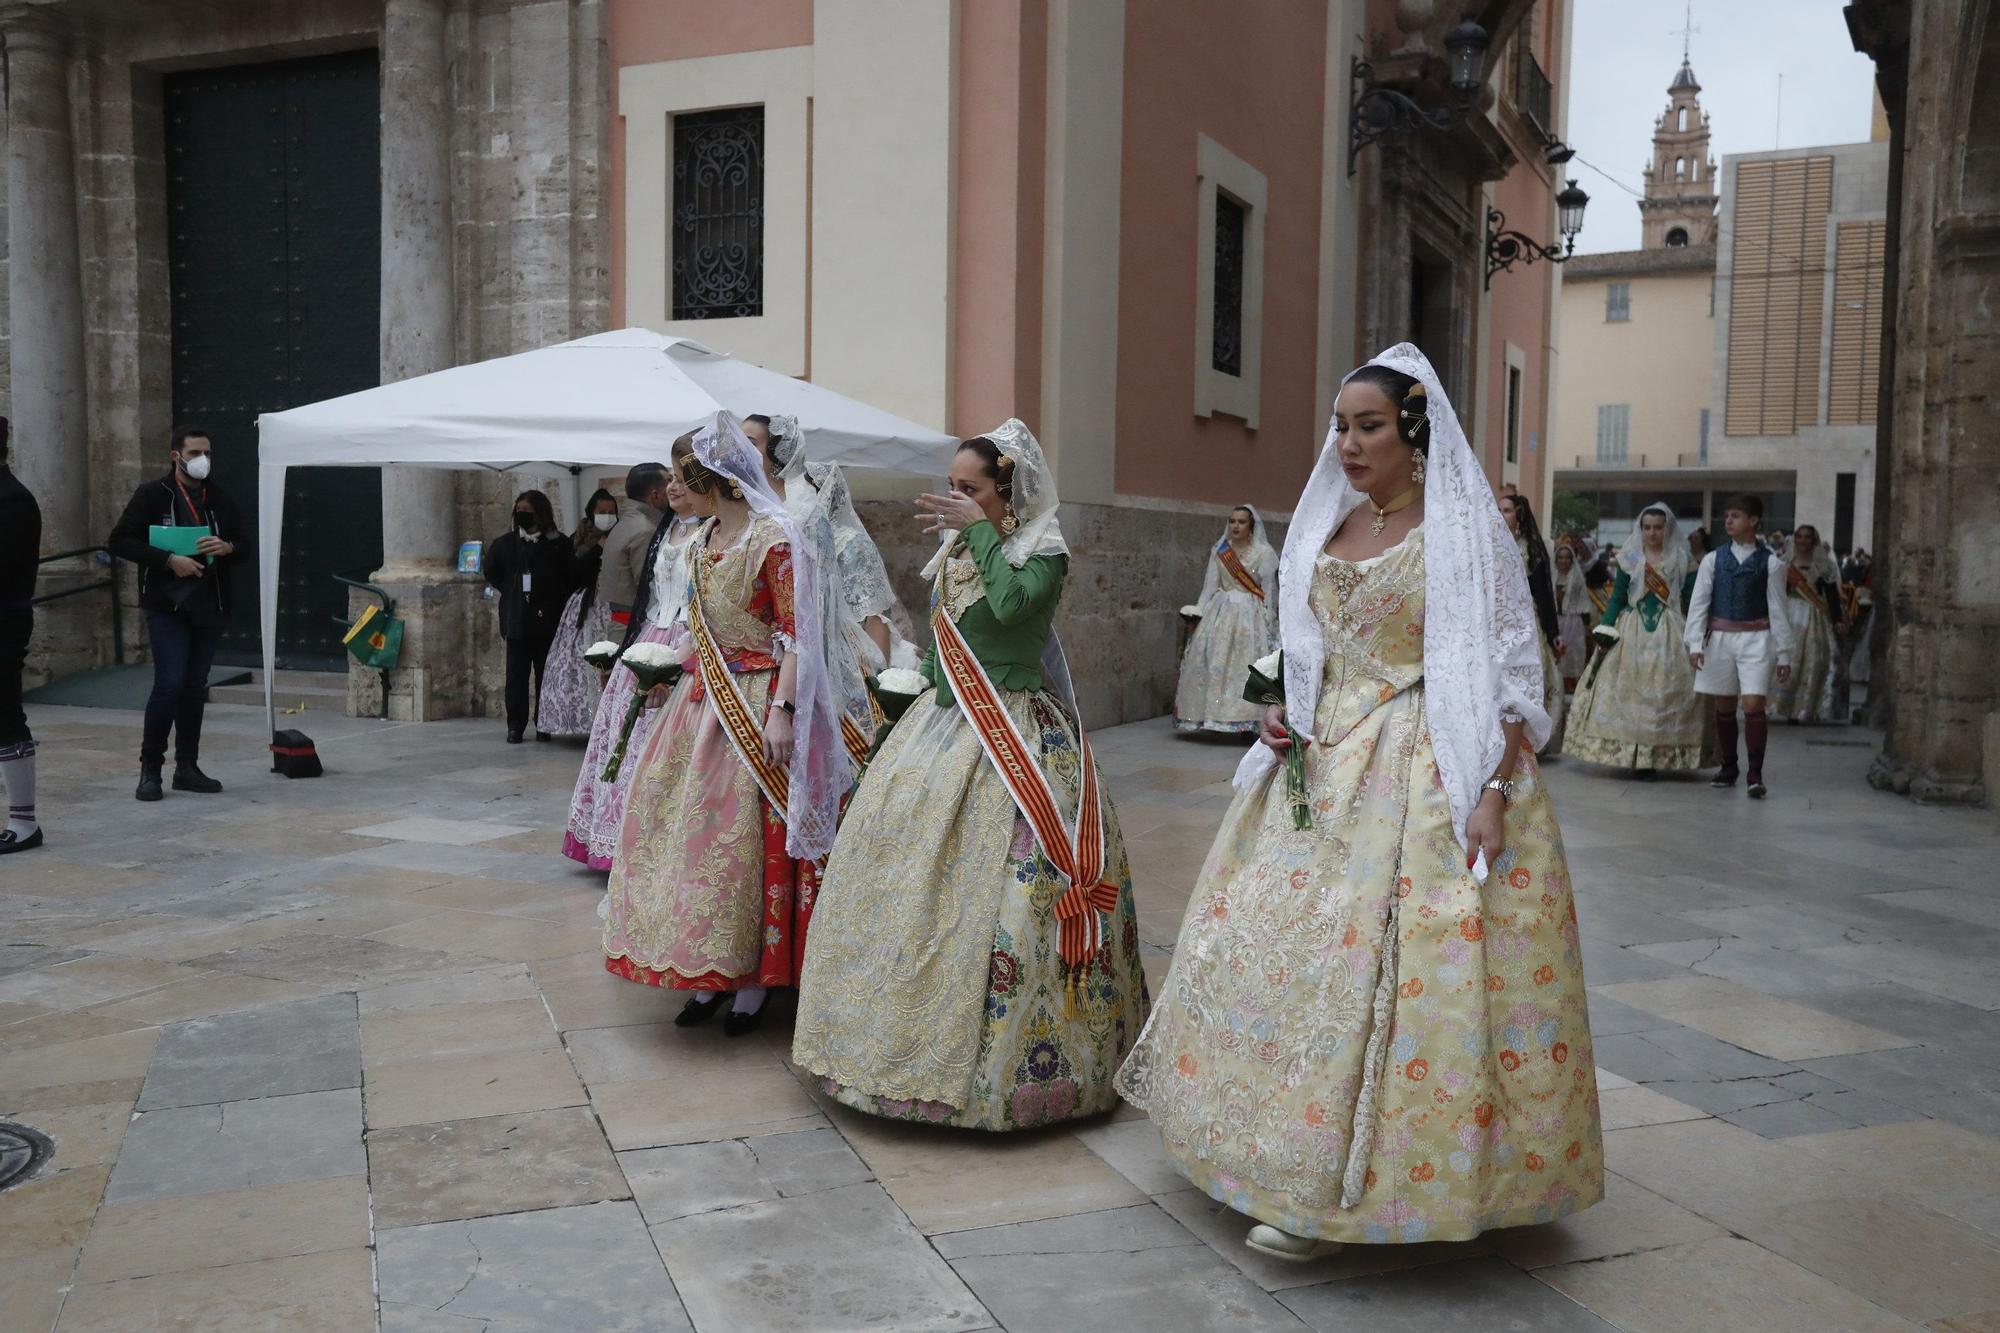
1625, 53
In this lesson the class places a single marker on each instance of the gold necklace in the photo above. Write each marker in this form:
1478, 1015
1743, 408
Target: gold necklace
1382, 512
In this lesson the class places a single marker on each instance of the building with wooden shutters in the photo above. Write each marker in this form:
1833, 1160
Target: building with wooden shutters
1739, 349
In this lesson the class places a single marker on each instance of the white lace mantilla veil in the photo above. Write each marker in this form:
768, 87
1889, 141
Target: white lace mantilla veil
1572, 593
1036, 533
1482, 654
1674, 557
864, 579
820, 771
806, 504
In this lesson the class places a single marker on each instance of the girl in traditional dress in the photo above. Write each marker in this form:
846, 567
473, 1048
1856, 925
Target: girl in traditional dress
1535, 557
1636, 707
1374, 1028
740, 783
1574, 612
569, 684
975, 955
1814, 605
1238, 625
597, 807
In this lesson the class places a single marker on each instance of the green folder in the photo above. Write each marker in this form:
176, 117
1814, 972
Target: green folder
177, 540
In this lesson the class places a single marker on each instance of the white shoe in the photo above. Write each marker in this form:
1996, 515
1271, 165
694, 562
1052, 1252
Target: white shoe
1284, 1245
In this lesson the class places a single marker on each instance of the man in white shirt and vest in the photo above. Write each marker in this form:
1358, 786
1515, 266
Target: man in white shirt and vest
1735, 641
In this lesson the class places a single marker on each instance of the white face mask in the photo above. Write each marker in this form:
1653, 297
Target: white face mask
605, 522
196, 467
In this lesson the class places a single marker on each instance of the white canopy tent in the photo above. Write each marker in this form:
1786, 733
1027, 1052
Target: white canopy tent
612, 400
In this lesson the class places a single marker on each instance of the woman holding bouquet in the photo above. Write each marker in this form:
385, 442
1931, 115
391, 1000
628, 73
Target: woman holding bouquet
1374, 1029
1636, 707
1238, 624
741, 780
597, 807
569, 684
975, 954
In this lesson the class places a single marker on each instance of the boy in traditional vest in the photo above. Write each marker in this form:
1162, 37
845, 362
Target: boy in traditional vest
1734, 640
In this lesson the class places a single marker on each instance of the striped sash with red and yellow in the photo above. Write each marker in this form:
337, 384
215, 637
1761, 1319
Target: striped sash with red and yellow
1656, 584
1082, 913
1802, 586
1227, 555
745, 733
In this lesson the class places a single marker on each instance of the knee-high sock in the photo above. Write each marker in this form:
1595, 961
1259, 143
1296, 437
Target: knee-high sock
18, 773
1756, 727
1725, 736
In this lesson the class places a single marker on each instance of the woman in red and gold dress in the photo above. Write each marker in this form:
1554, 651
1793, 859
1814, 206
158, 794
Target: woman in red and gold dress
739, 786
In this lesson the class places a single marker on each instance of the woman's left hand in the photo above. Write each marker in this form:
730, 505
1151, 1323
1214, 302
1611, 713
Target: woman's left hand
1486, 830
778, 738
948, 511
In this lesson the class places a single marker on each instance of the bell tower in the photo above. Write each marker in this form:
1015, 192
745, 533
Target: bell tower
1679, 207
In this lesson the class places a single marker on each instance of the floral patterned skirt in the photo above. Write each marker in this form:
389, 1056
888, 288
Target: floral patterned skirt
932, 990
1234, 631
597, 807
569, 684
1359, 1042
1636, 708
703, 895
1808, 694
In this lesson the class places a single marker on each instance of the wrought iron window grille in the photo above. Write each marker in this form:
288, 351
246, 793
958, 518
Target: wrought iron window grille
718, 214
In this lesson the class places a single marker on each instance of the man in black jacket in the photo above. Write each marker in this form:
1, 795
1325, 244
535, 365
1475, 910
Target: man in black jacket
20, 550
531, 569
186, 600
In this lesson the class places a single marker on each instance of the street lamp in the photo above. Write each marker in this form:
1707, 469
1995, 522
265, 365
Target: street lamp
1505, 248
1377, 113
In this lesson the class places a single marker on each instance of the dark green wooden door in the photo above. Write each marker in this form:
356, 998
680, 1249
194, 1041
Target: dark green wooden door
275, 256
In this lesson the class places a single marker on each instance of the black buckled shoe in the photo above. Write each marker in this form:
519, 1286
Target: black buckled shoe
10, 841
149, 785
1726, 778
737, 1024
697, 1011
191, 778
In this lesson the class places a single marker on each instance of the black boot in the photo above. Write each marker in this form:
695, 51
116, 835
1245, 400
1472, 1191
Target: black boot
149, 783
188, 777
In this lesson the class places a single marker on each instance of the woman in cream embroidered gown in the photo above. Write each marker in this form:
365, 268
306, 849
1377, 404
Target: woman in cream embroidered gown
1636, 707
933, 988
1374, 1029
1237, 627
597, 807
712, 890
1813, 605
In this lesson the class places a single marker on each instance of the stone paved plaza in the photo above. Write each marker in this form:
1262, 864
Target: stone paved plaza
318, 1053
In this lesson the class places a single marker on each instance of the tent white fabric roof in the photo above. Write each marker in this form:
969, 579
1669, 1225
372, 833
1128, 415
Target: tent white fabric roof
615, 399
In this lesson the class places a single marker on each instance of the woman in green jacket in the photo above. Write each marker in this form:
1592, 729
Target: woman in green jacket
974, 955
1635, 706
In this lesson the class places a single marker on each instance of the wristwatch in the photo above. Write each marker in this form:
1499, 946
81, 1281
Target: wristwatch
788, 706
1505, 786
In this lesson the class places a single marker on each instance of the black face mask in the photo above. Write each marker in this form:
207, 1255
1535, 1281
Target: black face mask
524, 519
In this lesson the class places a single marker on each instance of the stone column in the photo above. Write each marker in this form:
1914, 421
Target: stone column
45, 279
419, 537
417, 534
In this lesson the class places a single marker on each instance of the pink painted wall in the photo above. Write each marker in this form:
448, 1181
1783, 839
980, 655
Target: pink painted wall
996, 369
1250, 77
644, 32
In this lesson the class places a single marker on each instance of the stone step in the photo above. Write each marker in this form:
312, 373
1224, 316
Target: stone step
318, 691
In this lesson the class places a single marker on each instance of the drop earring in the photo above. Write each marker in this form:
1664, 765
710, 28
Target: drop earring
1417, 472
1008, 522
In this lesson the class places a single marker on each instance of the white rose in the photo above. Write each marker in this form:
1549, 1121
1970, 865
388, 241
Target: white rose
1193, 611
649, 655
903, 655
900, 680
1267, 667
602, 648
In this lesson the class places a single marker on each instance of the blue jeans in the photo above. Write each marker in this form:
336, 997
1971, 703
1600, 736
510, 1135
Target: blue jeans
182, 655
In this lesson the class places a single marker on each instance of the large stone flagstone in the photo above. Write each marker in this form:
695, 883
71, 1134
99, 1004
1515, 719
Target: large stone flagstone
307, 1046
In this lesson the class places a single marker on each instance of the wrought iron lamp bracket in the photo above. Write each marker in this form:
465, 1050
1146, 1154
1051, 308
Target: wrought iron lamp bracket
1378, 113
1506, 248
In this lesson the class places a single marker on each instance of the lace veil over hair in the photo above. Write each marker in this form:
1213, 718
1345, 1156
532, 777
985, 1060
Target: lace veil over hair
1482, 656
812, 487
820, 771
1674, 556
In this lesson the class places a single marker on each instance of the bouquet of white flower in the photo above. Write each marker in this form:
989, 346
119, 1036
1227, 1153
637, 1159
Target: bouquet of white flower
896, 689
601, 654
1266, 686
651, 664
